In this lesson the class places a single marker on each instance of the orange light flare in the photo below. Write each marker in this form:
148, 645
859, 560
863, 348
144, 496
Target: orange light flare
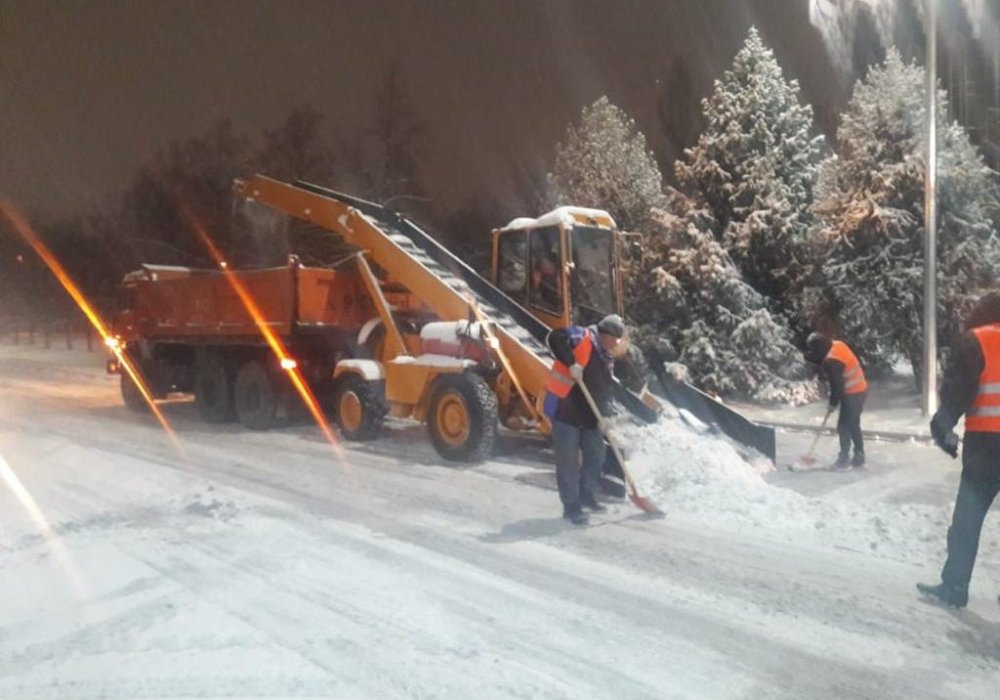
23, 229
55, 543
286, 361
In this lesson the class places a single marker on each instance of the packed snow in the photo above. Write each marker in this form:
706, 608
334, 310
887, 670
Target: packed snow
265, 565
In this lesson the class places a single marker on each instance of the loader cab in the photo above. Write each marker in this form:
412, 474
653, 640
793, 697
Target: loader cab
563, 267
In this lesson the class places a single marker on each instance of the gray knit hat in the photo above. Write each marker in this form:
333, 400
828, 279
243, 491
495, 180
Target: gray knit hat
613, 325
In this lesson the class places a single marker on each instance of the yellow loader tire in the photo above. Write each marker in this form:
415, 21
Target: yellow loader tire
359, 408
462, 419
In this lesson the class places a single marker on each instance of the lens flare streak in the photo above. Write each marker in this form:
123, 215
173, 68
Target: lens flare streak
24, 230
286, 361
9, 477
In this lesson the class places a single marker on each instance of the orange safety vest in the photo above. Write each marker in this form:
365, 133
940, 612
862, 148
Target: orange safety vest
560, 382
854, 376
984, 416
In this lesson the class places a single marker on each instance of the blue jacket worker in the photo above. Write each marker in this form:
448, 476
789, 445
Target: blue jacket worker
581, 354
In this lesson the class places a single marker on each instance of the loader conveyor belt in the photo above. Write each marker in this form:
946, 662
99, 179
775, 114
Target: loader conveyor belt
496, 305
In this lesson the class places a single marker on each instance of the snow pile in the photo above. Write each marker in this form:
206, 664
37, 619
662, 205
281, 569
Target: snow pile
705, 478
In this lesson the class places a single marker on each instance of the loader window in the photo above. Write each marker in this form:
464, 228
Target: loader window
592, 281
546, 270
512, 266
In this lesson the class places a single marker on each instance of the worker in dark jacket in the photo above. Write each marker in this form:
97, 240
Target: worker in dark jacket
848, 388
971, 386
582, 354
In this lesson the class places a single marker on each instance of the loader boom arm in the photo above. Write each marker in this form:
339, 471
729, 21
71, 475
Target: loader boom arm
394, 244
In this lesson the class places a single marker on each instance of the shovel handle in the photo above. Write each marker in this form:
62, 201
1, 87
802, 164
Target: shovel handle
607, 434
819, 431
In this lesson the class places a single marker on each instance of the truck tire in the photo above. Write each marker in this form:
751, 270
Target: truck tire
213, 391
463, 419
358, 407
255, 396
131, 396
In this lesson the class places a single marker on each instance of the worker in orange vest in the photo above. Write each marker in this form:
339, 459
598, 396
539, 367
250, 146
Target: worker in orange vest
848, 388
582, 354
971, 386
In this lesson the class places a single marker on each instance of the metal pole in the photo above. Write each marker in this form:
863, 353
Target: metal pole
930, 220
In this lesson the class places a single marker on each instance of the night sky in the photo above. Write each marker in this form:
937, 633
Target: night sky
92, 89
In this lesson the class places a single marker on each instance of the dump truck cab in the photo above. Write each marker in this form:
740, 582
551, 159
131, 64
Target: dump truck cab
562, 267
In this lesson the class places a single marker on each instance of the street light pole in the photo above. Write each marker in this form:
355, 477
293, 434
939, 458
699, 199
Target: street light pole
929, 383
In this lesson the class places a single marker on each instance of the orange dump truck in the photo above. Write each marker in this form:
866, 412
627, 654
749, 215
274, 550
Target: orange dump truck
190, 331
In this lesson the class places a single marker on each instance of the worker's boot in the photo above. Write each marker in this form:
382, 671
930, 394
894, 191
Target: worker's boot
574, 513
952, 596
590, 502
843, 462
859, 460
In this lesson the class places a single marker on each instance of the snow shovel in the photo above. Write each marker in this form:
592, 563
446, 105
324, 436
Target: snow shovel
807, 460
641, 502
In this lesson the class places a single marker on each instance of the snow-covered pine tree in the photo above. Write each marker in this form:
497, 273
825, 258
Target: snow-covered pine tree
705, 322
604, 162
753, 169
870, 198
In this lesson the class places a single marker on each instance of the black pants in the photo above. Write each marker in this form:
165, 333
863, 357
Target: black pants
976, 491
849, 423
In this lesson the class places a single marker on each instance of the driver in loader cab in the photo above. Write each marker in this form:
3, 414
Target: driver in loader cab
582, 354
545, 281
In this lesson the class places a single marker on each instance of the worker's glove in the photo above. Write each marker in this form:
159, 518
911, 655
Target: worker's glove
834, 403
603, 424
576, 371
944, 438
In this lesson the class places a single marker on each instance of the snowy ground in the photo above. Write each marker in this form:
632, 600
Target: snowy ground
264, 565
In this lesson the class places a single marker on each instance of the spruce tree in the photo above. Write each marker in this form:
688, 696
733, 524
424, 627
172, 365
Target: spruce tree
753, 170
704, 322
731, 251
603, 162
871, 199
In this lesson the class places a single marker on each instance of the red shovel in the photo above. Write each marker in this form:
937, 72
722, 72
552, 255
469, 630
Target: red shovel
807, 460
641, 502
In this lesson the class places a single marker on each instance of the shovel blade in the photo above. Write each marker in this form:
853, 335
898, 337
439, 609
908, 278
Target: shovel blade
644, 504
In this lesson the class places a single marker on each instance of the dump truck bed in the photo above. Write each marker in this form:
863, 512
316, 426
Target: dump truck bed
184, 303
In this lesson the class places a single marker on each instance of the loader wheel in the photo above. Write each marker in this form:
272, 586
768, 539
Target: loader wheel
463, 417
131, 395
255, 397
359, 408
213, 392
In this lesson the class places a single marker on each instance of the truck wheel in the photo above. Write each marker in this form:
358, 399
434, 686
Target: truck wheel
255, 397
131, 395
213, 392
358, 407
463, 417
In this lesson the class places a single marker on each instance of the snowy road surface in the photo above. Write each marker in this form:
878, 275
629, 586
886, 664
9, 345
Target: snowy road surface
262, 565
